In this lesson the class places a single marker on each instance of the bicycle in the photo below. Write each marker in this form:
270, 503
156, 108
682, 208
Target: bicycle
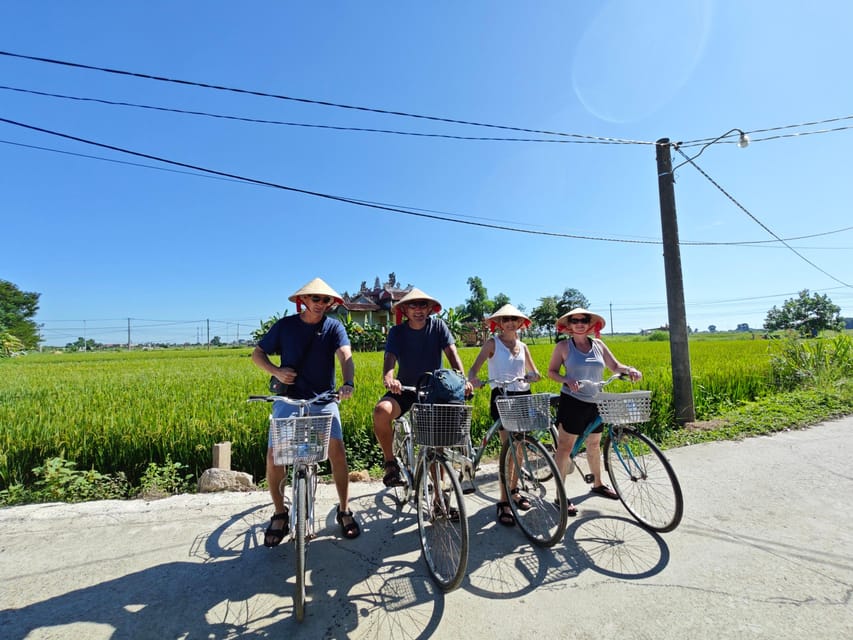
526, 467
301, 441
641, 475
430, 482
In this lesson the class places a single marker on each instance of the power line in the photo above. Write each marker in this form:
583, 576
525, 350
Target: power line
323, 103
201, 172
756, 220
304, 124
327, 196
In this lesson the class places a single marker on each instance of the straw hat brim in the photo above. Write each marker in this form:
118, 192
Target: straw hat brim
596, 322
507, 310
317, 287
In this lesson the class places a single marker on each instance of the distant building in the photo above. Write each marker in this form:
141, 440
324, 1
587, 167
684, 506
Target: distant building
372, 306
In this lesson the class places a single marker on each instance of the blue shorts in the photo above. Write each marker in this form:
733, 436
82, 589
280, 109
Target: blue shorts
284, 410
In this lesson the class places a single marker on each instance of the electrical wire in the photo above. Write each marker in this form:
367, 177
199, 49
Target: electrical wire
300, 124
442, 215
324, 103
327, 196
756, 220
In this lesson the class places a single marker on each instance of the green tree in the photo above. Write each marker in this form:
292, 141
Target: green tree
571, 299
9, 344
455, 321
500, 300
478, 306
83, 345
17, 309
805, 314
545, 316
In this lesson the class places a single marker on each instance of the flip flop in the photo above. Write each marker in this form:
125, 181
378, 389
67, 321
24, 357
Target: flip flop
605, 491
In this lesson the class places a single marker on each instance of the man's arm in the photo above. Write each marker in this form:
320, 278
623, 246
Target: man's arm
344, 354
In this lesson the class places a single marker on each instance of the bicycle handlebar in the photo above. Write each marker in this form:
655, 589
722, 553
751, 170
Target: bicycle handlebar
603, 383
325, 397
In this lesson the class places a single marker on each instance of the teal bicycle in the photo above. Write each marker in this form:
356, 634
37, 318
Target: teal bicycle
640, 474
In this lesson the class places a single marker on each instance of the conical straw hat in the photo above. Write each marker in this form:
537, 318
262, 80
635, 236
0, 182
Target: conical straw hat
507, 310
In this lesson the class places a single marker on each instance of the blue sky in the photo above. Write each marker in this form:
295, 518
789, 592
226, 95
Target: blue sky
163, 249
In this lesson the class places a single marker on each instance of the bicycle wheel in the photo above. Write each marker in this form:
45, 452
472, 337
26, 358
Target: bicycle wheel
403, 448
524, 458
643, 478
442, 522
300, 504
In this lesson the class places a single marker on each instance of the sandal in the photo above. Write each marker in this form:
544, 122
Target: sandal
274, 535
522, 502
605, 491
393, 476
571, 509
452, 512
504, 515
351, 529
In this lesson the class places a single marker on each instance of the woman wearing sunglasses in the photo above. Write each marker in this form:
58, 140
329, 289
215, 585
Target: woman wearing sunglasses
308, 343
508, 358
582, 357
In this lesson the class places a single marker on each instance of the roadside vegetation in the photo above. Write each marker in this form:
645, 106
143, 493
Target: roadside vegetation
85, 426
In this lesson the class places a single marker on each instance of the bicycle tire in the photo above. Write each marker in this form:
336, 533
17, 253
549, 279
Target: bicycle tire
403, 449
444, 539
643, 478
300, 495
545, 522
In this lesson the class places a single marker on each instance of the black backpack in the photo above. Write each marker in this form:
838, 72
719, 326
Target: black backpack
442, 386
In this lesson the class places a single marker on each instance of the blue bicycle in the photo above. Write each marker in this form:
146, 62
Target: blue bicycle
641, 475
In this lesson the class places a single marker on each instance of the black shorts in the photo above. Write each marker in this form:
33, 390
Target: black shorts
497, 393
405, 399
575, 415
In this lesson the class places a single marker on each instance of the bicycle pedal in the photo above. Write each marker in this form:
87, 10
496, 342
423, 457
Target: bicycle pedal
469, 490
589, 478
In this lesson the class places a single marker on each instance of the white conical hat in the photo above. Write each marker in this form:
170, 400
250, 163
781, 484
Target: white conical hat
317, 287
596, 322
507, 310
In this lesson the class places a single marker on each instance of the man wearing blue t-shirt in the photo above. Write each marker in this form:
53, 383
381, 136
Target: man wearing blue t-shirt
308, 344
414, 347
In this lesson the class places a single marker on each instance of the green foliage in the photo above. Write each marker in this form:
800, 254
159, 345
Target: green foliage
168, 479
571, 299
808, 315
456, 322
9, 345
17, 310
58, 480
798, 362
545, 316
659, 336
83, 345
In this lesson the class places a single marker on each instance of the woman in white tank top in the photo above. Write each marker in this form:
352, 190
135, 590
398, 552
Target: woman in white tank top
508, 358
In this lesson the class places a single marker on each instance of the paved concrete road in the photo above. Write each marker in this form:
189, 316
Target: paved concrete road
765, 550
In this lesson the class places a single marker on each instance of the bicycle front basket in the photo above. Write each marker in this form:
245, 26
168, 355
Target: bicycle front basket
441, 425
300, 439
633, 407
530, 412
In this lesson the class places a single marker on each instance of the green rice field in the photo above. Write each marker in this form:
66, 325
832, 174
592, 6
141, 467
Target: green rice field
119, 411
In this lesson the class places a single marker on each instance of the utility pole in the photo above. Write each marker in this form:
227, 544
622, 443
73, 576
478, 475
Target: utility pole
682, 383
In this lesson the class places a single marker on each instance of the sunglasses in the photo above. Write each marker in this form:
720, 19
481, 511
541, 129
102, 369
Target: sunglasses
510, 319
418, 304
323, 299
579, 320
